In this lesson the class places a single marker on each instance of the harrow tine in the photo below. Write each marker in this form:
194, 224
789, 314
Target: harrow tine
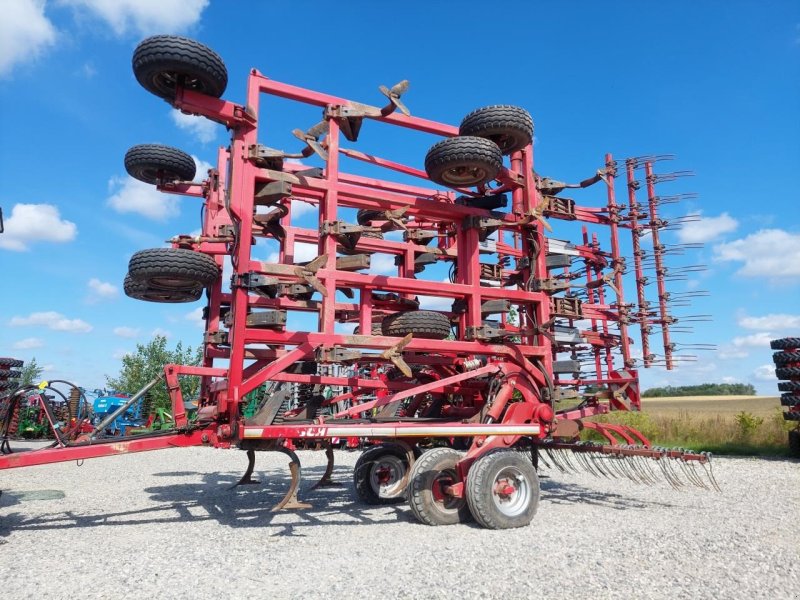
691, 473
584, 461
552, 455
709, 471
543, 462
650, 473
596, 462
290, 499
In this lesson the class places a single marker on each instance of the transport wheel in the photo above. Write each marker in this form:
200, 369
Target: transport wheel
424, 324
173, 269
789, 386
10, 362
375, 235
463, 161
381, 474
427, 488
141, 291
503, 490
366, 216
163, 63
785, 358
788, 372
510, 127
794, 443
788, 343
376, 329
154, 163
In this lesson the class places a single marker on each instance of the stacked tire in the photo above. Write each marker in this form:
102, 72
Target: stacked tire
9, 381
787, 369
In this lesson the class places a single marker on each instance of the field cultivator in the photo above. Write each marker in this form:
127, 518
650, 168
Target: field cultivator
439, 321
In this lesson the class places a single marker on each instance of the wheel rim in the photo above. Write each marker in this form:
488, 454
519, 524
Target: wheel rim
167, 82
446, 502
511, 492
172, 283
504, 141
465, 175
388, 476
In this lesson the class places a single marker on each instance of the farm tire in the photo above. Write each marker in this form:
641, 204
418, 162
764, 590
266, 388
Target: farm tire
510, 127
791, 415
154, 163
366, 216
503, 490
162, 63
463, 161
6, 363
8, 374
375, 235
788, 372
381, 474
376, 329
790, 399
786, 358
794, 443
789, 386
424, 324
788, 343
141, 291
173, 269
432, 471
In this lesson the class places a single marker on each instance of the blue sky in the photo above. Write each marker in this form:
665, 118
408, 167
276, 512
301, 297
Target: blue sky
715, 83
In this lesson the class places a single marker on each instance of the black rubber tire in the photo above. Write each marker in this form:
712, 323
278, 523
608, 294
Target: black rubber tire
376, 329
154, 163
791, 416
9, 374
433, 468
794, 443
372, 459
789, 343
789, 386
173, 269
163, 62
141, 291
786, 358
375, 235
10, 362
8, 385
366, 216
480, 489
510, 127
424, 324
787, 372
790, 399
463, 161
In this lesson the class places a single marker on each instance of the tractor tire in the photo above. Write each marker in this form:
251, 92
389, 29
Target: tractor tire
782, 359
163, 63
141, 291
791, 416
8, 385
788, 372
424, 324
789, 386
366, 216
510, 127
173, 269
154, 163
8, 374
381, 474
463, 161
794, 443
790, 399
497, 510
431, 472
788, 343
6, 363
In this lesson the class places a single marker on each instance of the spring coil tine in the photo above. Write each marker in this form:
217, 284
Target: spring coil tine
568, 461
588, 464
637, 461
710, 472
543, 462
674, 479
597, 460
650, 472
687, 474
556, 460
662, 463
694, 477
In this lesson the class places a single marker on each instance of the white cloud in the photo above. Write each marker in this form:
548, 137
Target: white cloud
728, 352
162, 332
201, 128
201, 169
196, 317
435, 303
300, 208
143, 16
756, 340
706, 229
382, 264
28, 344
769, 253
765, 373
130, 195
30, 223
24, 33
120, 354
51, 320
101, 290
126, 332
771, 322
304, 252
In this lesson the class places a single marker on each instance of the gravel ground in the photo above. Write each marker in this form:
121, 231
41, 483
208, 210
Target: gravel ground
166, 525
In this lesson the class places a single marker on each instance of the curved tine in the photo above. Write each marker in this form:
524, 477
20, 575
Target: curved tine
247, 478
637, 469
675, 474
688, 471
640, 469
568, 461
674, 481
552, 454
290, 499
626, 468
596, 460
325, 480
583, 459
698, 477
667, 477
709, 470
650, 472
543, 462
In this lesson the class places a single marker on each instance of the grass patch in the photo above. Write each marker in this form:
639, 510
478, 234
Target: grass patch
742, 434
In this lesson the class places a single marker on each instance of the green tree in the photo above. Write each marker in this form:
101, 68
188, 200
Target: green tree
141, 367
31, 373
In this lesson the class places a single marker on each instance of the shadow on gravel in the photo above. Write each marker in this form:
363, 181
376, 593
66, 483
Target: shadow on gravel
569, 493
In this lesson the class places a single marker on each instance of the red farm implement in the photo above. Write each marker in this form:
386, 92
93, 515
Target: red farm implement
436, 322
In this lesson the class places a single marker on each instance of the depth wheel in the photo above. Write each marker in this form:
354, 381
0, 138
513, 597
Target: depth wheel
173, 269
430, 476
463, 161
141, 291
163, 63
154, 163
381, 474
425, 324
510, 127
503, 490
